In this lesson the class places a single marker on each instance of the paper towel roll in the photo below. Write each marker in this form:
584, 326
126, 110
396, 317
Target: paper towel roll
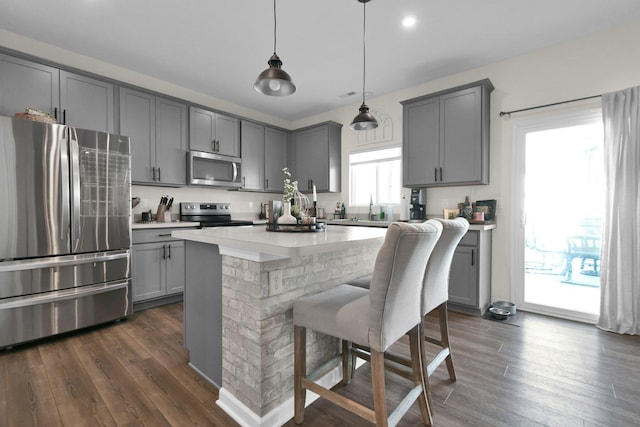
404, 209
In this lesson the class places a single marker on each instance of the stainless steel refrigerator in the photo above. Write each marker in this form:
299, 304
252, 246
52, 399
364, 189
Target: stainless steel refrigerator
65, 234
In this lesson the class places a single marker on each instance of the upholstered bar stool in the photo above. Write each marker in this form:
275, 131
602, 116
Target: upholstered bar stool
376, 318
434, 297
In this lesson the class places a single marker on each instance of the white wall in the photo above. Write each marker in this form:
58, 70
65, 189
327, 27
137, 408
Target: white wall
592, 65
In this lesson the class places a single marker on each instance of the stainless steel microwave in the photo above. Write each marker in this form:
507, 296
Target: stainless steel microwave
213, 169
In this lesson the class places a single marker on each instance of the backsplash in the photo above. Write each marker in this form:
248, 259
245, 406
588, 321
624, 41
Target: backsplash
244, 204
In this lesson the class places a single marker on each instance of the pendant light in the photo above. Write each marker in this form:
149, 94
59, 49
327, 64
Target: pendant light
274, 81
364, 120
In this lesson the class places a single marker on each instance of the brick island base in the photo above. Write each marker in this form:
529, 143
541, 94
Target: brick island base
257, 296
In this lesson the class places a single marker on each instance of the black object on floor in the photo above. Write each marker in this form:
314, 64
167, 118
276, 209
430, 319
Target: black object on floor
513, 320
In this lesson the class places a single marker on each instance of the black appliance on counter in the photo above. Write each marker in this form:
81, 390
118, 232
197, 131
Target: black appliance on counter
209, 214
418, 203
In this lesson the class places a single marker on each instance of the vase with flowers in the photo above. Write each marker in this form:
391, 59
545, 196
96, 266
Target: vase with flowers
288, 197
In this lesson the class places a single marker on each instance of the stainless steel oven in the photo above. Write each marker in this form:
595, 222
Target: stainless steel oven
209, 214
213, 169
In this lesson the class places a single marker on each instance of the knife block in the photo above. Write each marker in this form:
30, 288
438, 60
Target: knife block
160, 217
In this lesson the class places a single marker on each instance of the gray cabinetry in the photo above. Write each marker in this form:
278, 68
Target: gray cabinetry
203, 310
213, 132
253, 151
275, 159
86, 102
470, 278
158, 272
316, 153
158, 130
71, 98
446, 137
27, 84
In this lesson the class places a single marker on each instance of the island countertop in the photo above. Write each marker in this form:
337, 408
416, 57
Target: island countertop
257, 244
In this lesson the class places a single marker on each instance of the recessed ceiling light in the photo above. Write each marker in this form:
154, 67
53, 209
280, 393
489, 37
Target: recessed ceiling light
409, 21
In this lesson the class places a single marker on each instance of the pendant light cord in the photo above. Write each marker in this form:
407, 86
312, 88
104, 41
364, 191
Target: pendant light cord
364, 47
275, 25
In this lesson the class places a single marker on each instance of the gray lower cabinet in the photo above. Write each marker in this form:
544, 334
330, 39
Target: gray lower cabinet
158, 130
446, 137
72, 99
252, 167
213, 132
470, 277
158, 268
316, 154
203, 310
276, 147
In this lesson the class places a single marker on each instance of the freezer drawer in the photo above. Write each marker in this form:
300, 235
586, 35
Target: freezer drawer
32, 317
37, 275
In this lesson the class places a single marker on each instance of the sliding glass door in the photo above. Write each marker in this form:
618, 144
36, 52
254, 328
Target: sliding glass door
558, 200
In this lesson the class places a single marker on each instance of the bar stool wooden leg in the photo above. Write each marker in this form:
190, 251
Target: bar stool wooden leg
417, 351
379, 393
300, 371
347, 362
444, 337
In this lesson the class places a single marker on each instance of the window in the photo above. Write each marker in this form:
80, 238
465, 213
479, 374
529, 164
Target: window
375, 175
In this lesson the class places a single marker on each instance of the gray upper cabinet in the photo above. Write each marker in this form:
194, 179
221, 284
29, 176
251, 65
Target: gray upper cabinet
446, 137
158, 131
253, 150
316, 153
27, 84
213, 132
86, 102
275, 159
71, 98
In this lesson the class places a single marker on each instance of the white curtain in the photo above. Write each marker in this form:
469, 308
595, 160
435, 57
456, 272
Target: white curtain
620, 272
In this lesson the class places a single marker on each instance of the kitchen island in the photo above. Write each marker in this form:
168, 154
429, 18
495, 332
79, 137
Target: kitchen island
241, 286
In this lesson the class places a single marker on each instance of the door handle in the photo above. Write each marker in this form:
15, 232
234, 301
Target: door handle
169, 256
435, 174
159, 179
64, 117
440, 174
164, 251
266, 183
153, 173
473, 257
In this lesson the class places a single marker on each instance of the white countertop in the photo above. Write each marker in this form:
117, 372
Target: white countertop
258, 244
384, 224
173, 224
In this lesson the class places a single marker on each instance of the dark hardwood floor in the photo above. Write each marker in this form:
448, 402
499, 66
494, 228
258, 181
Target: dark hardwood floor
133, 373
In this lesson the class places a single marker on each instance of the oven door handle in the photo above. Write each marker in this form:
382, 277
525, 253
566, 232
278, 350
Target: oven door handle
235, 171
57, 296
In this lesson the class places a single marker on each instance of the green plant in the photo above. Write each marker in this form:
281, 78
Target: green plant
289, 186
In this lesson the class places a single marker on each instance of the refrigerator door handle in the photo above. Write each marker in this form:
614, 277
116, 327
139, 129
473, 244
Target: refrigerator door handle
49, 297
64, 193
74, 151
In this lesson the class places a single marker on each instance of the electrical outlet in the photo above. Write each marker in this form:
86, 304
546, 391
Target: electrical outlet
275, 282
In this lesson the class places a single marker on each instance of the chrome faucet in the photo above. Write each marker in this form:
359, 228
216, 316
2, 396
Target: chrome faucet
371, 209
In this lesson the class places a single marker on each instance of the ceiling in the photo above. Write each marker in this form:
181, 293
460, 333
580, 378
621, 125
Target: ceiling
219, 47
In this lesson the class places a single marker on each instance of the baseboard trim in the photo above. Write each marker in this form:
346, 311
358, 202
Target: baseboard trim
281, 414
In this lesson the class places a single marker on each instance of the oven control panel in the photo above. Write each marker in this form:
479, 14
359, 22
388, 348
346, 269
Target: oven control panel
204, 208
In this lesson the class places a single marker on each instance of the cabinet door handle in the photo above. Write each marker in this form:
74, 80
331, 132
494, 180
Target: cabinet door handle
169, 256
244, 181
55, 113
217, 145
64, 117
266, 183
435, 174
440, 174
164, 251
159, 175
153, 173
213, 145
164, 235
473, 257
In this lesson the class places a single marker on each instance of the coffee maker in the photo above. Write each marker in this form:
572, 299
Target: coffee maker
418, 203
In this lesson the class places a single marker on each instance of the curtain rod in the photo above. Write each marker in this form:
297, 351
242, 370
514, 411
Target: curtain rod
508, 113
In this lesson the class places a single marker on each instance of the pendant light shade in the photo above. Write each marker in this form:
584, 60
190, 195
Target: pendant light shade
364, 120
274, 81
